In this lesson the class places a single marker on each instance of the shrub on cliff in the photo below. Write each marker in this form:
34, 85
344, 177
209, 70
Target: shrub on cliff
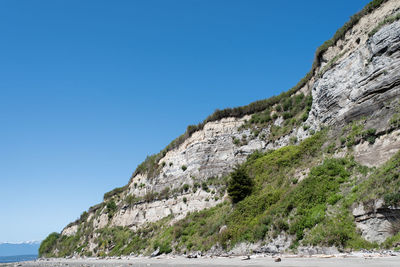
111, 208
240, 185
47, 245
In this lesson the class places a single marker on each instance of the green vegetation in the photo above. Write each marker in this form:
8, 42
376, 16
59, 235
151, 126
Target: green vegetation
114, 192
119, 241
251, 218
47, 245
240, 185
394, 122
384, 183
130, 200
275, 204
66, 245
111, 208
392, 199
356, 133
293, 109
314, 210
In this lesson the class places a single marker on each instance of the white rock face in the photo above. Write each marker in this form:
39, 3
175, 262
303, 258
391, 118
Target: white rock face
362, 83
138, 215
375, 221
209, 152
69, 231
101, 221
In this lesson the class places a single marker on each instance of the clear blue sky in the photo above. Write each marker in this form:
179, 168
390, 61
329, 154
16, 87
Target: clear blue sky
89, 88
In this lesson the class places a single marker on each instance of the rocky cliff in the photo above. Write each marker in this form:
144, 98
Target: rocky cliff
352, 93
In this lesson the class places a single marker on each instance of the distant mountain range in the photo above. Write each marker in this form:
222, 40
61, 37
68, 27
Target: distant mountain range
23, 248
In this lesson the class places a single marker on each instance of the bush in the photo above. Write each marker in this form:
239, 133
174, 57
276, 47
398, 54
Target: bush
150, 196
48, 245
304, 117
392, 199
111, 208
184, 167
204, 186
236, 141
395, 120
287, 115
83, 216
185, 187
312, 194
287, 105
130, 200
164, 194
369, 135
240, 185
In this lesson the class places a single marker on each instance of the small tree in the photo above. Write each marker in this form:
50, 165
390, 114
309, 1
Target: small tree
240, 185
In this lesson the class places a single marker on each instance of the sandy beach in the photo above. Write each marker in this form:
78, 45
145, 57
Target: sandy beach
325, 260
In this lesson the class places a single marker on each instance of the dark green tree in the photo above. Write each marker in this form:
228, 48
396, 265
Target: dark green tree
240, 184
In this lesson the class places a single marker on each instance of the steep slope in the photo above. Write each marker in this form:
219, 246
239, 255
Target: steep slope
302, 188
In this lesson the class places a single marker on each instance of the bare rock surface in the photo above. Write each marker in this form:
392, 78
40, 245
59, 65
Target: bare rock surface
375, 220
360, 84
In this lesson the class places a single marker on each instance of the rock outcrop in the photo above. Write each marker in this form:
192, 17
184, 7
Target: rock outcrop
361, 84
376, 221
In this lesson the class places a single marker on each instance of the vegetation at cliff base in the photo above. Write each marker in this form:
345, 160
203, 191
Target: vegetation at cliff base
291, 191
48, 245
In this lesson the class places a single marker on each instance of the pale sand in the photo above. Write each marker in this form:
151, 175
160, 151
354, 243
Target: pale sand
360, 260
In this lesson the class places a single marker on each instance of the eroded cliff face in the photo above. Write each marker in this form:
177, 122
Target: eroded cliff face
362, 84
209, 153
359, 77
